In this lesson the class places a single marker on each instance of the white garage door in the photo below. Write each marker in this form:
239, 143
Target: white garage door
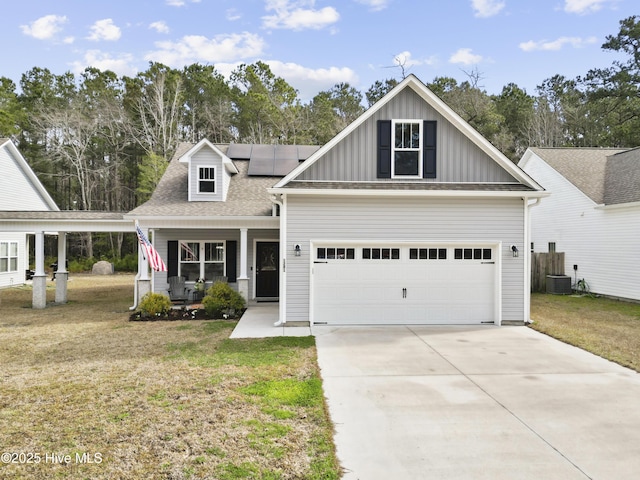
396, 284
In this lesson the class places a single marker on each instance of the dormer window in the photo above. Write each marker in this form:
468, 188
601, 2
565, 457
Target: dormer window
407, 149
206, 179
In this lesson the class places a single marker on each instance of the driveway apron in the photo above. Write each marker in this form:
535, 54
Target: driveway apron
413, 402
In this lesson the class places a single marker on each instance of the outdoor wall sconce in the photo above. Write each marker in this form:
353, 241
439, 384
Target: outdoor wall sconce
514, 251
298, 250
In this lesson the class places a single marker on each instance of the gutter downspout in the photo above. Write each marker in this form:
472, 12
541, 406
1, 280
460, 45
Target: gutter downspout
527, 269
282, 294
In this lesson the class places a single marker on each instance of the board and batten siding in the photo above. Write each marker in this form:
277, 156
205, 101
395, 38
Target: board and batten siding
205, 157
16, 190
458, 159
313, 219
602, 242
211, 235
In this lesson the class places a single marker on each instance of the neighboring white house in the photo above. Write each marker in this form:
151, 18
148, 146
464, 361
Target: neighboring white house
20, 190
407, 216
592, 215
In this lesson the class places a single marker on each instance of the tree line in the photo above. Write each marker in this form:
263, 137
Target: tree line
99, 141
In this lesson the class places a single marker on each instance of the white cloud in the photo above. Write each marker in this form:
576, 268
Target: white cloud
197, 48
160, 27
179, 3
45, 27
558, 44
104, 30
310, 81
465, 57
232, 14
292, 15
406, 60
375, 5
582, 7
487, 8
121, 64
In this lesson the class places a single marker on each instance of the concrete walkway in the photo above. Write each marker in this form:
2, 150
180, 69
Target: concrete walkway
469, 402
257, 322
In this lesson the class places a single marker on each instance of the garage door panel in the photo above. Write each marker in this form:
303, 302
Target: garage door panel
404, 290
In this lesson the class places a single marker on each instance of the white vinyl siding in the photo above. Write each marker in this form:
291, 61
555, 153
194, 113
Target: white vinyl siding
314, 219
16, 190
603, 242
12, 259
201, 161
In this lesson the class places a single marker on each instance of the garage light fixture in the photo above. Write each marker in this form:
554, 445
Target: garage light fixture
298, 250
514, 251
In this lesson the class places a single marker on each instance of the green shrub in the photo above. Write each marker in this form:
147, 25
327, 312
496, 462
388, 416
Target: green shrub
128, 263
222, 301
154, 304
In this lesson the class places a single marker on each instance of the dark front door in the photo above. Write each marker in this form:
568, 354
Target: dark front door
267, 274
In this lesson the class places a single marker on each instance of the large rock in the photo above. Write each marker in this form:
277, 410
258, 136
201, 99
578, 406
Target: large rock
102, 268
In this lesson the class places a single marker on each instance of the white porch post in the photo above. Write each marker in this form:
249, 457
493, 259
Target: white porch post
40, 277
62, 274
144, 282
243, 278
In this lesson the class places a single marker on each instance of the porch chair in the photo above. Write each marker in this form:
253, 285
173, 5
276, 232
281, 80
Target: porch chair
178, 290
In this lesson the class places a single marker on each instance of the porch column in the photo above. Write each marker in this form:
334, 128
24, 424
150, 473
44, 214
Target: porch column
40, 277
243, 278
62, 274
144, 282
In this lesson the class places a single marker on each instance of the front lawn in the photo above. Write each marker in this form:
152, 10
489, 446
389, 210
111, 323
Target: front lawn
608, 328
85, 393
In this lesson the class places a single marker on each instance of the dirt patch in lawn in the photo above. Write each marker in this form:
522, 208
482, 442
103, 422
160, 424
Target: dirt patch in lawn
86, 393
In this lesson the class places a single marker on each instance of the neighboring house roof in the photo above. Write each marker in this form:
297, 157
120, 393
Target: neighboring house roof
25, 174
622, 178
443, 109
605, 175
247, 195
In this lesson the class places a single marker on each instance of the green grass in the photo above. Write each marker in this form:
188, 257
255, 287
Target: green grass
158, 400
608, 328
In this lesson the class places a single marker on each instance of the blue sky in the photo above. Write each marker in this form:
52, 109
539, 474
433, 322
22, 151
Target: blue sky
314, 44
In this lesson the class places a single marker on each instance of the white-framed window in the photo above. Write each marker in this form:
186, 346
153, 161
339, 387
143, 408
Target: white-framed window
200, 259
206, 179
8, 257
552, 247
406, 158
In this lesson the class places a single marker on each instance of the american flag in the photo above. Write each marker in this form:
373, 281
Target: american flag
154, 258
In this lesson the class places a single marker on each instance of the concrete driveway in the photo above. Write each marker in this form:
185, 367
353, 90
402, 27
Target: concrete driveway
476, 403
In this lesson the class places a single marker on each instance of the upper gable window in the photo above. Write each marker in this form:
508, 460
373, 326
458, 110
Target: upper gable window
407, 149
206, 179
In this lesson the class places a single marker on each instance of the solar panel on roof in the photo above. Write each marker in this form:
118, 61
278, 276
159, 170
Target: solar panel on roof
239, 151
286, 159
262, 160
305, 151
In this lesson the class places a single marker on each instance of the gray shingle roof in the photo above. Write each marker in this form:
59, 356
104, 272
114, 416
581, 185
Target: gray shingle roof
622, 178
584, 167
247, 195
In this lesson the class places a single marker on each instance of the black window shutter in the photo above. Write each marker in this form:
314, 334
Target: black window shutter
429, 149
172, 258
231, 260
384, 148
